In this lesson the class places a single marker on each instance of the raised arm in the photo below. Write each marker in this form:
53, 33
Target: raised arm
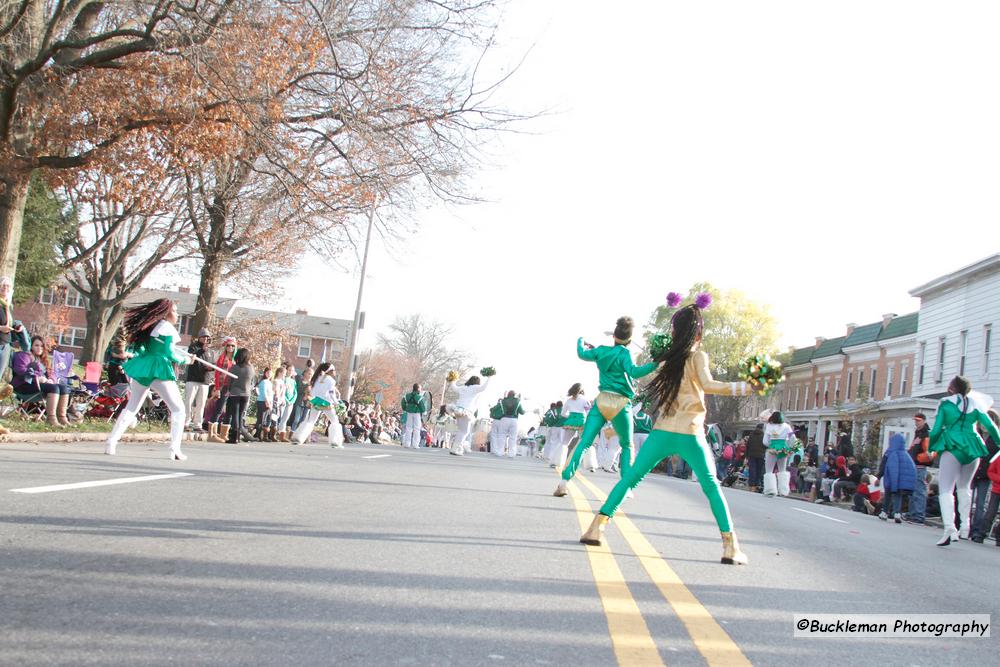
639, 371
583, 352
713, 386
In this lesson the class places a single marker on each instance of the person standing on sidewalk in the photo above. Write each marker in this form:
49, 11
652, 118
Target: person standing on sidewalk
239, 394
923, 459
414, 407
196, 382
756, 451
981, 484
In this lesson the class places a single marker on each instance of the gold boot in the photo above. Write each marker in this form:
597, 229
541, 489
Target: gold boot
63, 409
51, 410
224, 433
5, 392
213, 433
731, 553
282, 436
596, 530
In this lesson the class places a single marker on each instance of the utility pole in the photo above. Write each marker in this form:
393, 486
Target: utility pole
352, 350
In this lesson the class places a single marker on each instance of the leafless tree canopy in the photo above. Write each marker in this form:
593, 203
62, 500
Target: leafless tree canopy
425, 344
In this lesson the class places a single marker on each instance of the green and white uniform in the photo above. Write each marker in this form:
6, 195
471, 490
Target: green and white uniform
153, 368
414, 406
507, 436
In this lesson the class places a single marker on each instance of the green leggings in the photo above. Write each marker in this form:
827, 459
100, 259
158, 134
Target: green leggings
622, 424
694, 450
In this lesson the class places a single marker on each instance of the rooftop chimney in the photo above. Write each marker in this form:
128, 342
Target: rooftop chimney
888, 317
301, 311
184, 290
850, 328
820, 340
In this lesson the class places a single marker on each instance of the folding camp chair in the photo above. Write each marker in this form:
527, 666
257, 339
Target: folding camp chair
30, 405
92, 376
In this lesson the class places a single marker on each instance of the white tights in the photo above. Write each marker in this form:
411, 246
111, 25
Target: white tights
953, 476
171, 395
464, 427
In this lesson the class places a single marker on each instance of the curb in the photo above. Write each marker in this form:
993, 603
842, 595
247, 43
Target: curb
39, 437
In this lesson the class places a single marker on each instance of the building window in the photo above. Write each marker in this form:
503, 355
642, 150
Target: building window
861, 382
920, 361
904, 379
796, 403
47, 296
305, 347
836, 391
72, 337
74, 299
184, 324
940, 367
963, 348
850, 382
816, 396
872, 389
888, 382
826, 393
987, 341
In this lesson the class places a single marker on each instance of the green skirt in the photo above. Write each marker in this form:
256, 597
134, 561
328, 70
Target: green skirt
319, 403
147, 368
574, 421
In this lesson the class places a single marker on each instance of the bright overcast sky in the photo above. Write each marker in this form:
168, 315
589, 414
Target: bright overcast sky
823, 157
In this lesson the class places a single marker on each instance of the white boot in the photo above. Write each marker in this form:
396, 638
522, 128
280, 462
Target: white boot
770, 484
783, 483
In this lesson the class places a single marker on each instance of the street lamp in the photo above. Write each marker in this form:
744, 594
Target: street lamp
357, 309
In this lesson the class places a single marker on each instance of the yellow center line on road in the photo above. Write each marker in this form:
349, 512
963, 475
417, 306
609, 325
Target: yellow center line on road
714, 643
633, 645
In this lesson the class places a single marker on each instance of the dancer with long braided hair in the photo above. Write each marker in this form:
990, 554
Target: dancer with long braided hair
151, 332
677, 394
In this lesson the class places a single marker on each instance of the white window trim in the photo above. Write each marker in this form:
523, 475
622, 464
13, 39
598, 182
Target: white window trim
942, 350
922, 362
52, 296
963, 349
888, 381
904, 380
987, 344
298, 349
73, 331
79, 300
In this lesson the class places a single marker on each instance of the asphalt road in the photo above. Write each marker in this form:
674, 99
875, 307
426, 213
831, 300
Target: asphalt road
277, 555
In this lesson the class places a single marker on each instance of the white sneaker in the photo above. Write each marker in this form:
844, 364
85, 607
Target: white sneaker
884, 516
177, 456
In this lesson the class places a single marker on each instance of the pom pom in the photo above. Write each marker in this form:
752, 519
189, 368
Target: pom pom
703, 301
673, 299
488, 372
658, 344
452, 376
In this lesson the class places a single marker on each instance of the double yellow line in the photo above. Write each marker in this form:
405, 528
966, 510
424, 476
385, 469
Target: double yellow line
630, 638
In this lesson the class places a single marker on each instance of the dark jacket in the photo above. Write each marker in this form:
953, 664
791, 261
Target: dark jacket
755, 445
242, 384
918, 448
897, 471
844, 446
984, 462
512, 407
196, 372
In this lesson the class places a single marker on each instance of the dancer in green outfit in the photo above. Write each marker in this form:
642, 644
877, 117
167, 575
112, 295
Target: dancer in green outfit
954, 437
677, 394
614, 403
151, 331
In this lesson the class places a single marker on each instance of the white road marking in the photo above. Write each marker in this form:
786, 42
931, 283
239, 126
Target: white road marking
377, 456
103, 482
822, 516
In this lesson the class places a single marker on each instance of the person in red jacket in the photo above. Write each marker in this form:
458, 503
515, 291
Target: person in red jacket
991, 509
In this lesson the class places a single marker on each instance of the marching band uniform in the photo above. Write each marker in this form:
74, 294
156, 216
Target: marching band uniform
464, 410
496, 414
512, 409
574, 414
642, 425
414, 406
153, 368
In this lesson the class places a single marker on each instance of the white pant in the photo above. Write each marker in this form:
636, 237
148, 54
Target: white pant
612, 452
554, 447
637, 440
336, 434
411, 431
462, 435
171, 395
955, 477
508, 434
495, 447
770, 459
195, 395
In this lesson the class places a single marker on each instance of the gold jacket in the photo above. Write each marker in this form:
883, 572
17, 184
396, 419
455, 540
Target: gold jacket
687, 414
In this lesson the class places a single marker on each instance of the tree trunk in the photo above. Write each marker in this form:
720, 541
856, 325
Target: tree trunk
208, 290
102, 322
13, 194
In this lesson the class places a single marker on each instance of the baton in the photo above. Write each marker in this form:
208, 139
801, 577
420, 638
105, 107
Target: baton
211, 365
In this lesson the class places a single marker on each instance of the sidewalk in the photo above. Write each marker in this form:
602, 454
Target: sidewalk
82, 436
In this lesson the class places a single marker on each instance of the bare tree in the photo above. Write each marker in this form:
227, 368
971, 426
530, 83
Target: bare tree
426, 345
116, 247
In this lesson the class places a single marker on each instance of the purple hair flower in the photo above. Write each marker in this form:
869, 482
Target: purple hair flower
673, 299
703, 301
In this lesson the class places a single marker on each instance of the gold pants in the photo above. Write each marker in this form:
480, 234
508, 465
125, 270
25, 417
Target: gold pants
610, 404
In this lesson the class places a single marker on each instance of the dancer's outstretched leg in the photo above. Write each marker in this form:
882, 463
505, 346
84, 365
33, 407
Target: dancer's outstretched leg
591, 428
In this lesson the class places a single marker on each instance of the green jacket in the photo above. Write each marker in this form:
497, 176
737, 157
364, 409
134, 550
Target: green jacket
616, 368
956, 433
643, 423
496, 412
512, 407
413, 403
